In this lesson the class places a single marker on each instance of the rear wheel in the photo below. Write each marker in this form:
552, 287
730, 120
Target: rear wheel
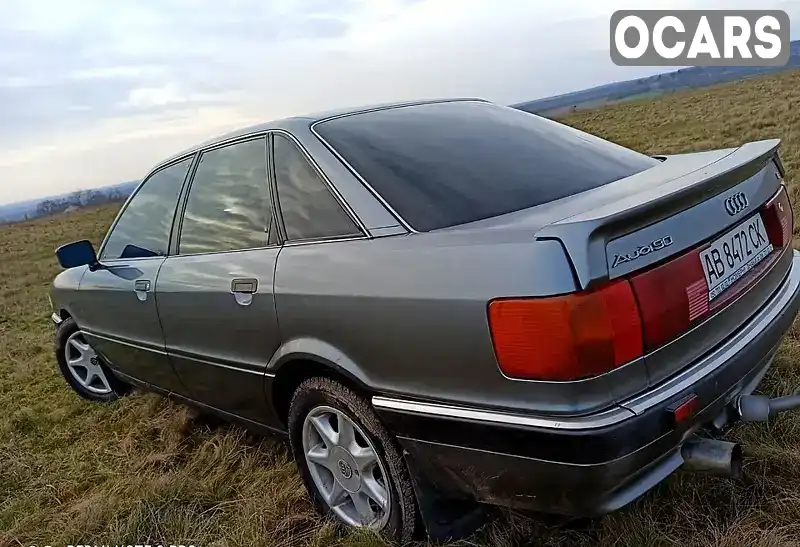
82, 368
349, 461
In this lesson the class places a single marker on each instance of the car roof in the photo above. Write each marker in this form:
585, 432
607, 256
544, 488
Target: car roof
294, 122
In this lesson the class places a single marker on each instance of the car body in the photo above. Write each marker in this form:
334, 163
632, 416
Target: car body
540, 318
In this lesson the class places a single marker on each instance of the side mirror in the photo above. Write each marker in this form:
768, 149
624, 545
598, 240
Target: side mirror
78, 253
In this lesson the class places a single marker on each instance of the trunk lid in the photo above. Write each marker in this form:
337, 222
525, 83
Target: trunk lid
686, 188
690, 234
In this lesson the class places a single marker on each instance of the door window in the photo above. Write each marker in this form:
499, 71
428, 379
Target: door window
309, 209
144, 227
229, 206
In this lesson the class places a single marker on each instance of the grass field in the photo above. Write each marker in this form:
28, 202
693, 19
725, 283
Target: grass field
145, 470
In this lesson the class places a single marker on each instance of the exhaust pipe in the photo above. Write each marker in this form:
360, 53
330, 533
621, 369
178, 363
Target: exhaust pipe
758, 408
712, 457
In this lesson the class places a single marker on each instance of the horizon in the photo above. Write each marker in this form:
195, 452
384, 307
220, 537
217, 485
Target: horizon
137, 180
109, 185
112, 184
131, 83
68, 193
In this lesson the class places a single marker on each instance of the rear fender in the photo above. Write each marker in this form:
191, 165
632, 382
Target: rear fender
313, 349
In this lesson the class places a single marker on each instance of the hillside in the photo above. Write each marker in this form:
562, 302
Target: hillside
557, 106
33, 208
146, 470
685, 78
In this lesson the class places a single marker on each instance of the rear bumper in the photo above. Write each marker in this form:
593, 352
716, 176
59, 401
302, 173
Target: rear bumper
586, 466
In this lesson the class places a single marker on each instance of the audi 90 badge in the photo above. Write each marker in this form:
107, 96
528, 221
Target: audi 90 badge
642, 250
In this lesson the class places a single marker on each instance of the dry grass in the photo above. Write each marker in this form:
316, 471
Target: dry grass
145, 470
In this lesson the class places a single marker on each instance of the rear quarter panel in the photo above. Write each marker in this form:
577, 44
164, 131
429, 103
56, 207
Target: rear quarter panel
408, 315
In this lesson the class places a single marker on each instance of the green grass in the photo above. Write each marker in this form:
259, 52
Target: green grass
146, 470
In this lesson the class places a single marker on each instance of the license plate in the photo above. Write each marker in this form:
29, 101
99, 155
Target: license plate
734, 254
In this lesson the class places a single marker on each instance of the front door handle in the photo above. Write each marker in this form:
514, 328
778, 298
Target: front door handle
141, 286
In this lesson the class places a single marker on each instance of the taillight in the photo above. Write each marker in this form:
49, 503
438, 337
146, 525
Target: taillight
582, 335
671, 297
568, 337
778, 219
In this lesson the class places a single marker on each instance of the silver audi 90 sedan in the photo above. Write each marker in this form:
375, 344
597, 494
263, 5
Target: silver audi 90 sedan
446, 301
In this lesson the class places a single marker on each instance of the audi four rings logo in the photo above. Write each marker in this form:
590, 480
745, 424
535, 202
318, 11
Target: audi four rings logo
736, 203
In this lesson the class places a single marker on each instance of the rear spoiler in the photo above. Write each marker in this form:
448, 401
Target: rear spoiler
676, 184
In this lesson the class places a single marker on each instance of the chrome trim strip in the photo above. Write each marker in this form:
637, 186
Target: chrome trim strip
221, 365
227, 366
635, 406
183, 356
207, 253
390, 106
300, 242
124, 343
593, 421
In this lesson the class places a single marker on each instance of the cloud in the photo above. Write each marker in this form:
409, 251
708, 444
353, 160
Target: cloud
125, 72
156, 96
131, 81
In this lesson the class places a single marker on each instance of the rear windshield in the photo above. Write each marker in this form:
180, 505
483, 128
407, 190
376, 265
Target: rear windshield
444, 164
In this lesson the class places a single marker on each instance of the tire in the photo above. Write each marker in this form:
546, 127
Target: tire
319, 403
102, 386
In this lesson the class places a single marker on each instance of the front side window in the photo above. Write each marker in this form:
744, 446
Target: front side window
309, 209
229, 206
144, 227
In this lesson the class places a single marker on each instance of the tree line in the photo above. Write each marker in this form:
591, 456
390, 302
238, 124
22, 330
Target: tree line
80, 198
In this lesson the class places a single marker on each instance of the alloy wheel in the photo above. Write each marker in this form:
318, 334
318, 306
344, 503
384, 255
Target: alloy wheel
84, 365
346, 468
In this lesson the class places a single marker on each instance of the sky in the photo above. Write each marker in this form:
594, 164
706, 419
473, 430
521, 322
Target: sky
95, 92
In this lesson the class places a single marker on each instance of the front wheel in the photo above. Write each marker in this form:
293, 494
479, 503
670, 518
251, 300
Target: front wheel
349, 461
82, 368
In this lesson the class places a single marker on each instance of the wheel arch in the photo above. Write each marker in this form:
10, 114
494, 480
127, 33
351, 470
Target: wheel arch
301, 359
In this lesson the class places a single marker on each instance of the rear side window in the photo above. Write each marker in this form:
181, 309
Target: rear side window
444, 164
144, 227
229, 206
309, 209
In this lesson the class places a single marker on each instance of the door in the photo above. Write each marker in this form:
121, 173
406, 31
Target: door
215, 294
116, 304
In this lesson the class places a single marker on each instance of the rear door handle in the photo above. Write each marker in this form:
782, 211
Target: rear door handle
244, 286
243, 290
143, 285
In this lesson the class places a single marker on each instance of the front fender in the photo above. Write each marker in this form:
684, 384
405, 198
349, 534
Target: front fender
64, 290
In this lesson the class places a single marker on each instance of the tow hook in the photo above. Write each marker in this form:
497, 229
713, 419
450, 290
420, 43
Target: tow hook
758, 408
